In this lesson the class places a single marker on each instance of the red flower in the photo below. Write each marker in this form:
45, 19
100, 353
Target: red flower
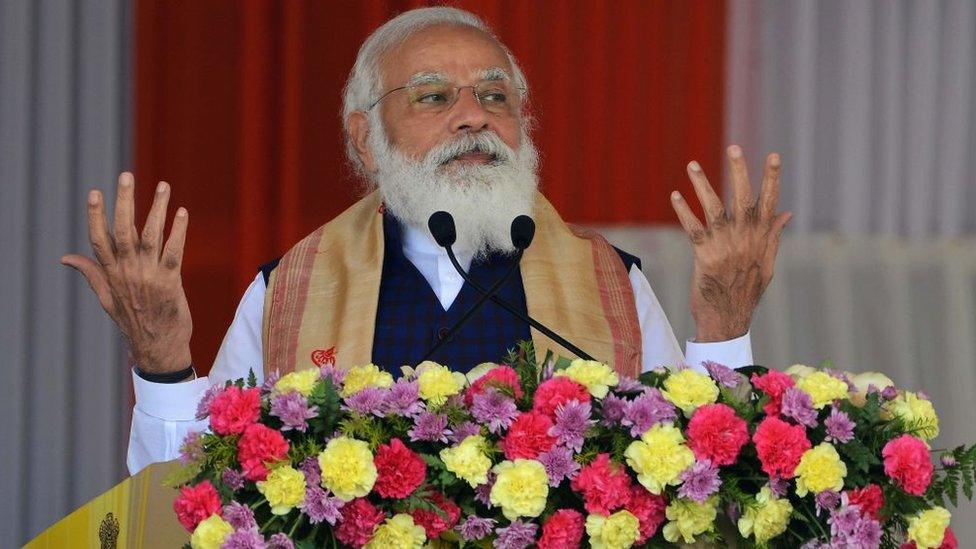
949, 541
233, 409
258, 446
502, 376
563, 530
528, 436
649, 510
399, 470
195, 504
780, 446
605, 485
717, 434
774, 384
869, 499
358, 522
906, 460
432, 521
557, 391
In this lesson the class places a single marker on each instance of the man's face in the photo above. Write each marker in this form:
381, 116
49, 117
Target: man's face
461, 56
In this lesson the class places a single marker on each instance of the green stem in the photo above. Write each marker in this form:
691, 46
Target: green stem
291, 533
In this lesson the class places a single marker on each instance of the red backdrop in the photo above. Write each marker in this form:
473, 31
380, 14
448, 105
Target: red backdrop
237, 106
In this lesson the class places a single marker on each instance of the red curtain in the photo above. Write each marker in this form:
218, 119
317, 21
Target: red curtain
237, 106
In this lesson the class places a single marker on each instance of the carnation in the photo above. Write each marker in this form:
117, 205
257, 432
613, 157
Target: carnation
233, 409
617, 531
917, 412
468, 461
196, 503
715, 433
347, 468
436, 523
820, 469
556, 392
500, 377
688, 389
927, 528
258, 446
823, 388
649, 510
528, 436
563, 530
767, 518
399, 470
869, 500
688, 519
211, 533
358, 378
302, 382
398, 531
774, 384
437, 383
521, 488
359, 520
605, 485
659, 457
596, 376
780, 446
907, 462
284, 489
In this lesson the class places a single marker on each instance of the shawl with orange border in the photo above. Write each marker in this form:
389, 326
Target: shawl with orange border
321, 302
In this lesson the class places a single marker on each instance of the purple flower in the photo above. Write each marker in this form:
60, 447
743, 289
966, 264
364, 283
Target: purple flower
628, 384
269, 382
649, 408
798, 405
203, 407
463, 431
889, 393
559, 464
293, 410
429, 427
239, 516
613, 408
320, 506
233, 478
828, 499
947, 460
328, 371
403, 399
192, 448
494, 409
310, 467
572, 422
852, 530
922, 395
779, 486
722, 374
840, 428
699, 481
371, 400
517, 535
280, 541
474, 528
247, 538
547, 371
841, 375
482, 492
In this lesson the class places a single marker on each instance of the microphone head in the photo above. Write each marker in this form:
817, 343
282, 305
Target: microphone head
441, 225
523, 231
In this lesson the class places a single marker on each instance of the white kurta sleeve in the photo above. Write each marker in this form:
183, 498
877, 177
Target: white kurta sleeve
165, 412
660, 347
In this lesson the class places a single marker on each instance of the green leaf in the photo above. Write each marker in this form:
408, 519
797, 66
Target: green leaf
252, 380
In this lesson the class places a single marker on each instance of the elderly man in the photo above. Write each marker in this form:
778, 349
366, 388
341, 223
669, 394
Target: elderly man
435, 120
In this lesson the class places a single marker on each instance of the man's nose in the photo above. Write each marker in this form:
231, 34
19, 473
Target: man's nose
467, 114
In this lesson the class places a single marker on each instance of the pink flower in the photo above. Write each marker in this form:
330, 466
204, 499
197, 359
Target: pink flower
359, 520
780, 446
259, 446
500, 377
949, 541
556, 391
399, 470
233, 409
195, 504
715, 433
649, 510
774, 384
906, 460
869, 499
433, 522
605, 485
563, 530
528, 436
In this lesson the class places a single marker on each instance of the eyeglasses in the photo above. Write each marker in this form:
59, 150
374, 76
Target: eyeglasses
496, 97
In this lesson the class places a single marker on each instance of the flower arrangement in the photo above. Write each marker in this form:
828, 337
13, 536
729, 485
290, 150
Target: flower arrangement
559, 453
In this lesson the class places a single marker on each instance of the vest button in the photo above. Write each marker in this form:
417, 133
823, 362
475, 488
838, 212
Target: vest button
442, 333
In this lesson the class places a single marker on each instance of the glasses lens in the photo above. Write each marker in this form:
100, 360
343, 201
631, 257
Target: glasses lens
497, 97
432, 97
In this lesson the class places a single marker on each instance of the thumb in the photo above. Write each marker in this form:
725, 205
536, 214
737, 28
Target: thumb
94, 275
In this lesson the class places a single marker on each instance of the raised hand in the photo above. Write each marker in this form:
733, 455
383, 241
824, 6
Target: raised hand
734, 253
137, 278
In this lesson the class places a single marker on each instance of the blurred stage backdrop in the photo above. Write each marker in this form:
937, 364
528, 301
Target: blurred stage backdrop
236, 103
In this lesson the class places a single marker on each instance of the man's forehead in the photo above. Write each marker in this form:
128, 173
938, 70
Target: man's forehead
436, 77
450, 52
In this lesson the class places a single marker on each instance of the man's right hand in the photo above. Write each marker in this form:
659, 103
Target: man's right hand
137, 278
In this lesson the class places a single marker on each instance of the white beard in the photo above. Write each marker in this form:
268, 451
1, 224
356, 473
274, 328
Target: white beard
483, 198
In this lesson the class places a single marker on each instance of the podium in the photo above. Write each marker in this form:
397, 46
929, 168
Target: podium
137, 513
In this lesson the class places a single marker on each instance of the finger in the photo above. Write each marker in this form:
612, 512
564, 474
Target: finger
711, 203
152, 232
772, 247
689, 221
743, 203
125, 229
101, 241
172, 257
769, 197
94, 275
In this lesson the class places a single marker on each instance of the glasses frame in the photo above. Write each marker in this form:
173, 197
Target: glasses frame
458, 89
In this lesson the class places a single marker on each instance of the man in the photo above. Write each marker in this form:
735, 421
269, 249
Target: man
435, 120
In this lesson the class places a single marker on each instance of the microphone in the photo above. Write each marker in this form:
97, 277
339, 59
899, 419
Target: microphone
441, 225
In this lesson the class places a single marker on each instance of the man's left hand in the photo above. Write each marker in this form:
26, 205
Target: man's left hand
735, 252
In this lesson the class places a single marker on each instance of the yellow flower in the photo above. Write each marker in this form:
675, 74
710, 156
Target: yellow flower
596, 376
360, 377
438, 382
688, 389
767, 519
688, 518
820, 469
468, 460
398, 531
659, 457
927, 528
347, 468
865, 380
302, 381
823, 388
284, 489
917, 413
210, 533
618, 531
521, 488
798, 371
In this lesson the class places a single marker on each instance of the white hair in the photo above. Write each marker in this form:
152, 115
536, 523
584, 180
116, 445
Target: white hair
364, 85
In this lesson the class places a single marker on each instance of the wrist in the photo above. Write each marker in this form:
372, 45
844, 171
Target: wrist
712, 330
179, 376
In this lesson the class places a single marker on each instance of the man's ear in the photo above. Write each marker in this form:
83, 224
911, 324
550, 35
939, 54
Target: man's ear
358, 124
